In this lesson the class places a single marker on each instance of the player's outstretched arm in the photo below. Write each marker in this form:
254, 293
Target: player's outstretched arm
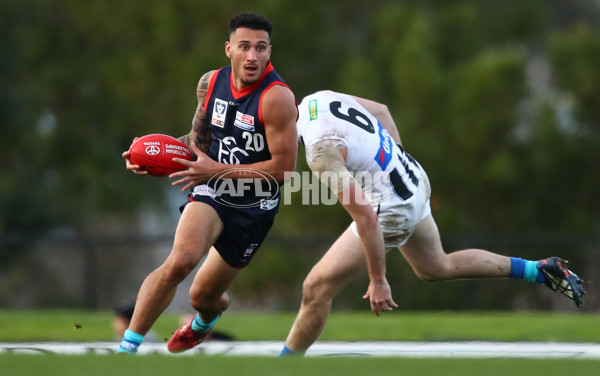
379, 292
328, 162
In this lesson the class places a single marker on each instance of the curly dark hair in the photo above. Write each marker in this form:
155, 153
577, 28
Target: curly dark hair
252, 21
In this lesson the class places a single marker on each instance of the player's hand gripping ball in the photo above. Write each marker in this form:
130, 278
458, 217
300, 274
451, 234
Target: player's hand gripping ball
155, 152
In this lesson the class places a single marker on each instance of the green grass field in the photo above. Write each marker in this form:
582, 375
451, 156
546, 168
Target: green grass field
398, 326
395, 326
89, 365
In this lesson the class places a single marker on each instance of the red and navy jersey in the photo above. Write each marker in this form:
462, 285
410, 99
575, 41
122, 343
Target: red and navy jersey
235, 117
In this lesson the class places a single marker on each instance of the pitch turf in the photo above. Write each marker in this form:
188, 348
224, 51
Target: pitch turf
398, 326
364, 326
102, 365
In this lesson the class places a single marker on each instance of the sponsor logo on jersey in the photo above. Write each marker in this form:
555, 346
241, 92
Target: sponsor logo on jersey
312, 109
243, 121
219, 113
384, 154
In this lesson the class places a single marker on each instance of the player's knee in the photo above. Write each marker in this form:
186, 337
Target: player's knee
204, 300
427, 277
433, 274
315, 289
177, 268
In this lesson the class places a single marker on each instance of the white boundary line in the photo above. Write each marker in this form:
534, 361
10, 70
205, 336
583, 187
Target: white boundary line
333, 349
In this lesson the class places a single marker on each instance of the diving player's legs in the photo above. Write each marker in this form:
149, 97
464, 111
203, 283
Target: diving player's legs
425, 254
342, 263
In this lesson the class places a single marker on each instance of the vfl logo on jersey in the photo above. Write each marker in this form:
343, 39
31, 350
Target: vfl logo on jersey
312, 109
384, 154
219, 113
243, 121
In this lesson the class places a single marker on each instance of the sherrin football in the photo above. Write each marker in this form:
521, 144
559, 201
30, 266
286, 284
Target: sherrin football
155, 152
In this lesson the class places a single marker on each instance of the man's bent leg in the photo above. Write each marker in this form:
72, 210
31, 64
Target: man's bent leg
198, 228
209, 297
208, 292
342, 263
425, 254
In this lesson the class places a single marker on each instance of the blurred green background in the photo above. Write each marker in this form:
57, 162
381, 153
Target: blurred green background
498, 100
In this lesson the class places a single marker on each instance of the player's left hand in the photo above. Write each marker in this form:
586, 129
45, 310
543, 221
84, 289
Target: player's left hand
380, 295
198, 171
130, 166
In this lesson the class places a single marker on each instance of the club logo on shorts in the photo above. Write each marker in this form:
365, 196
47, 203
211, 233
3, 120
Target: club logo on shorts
250, 250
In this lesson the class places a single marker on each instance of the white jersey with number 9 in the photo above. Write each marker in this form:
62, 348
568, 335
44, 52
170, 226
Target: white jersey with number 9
394, 182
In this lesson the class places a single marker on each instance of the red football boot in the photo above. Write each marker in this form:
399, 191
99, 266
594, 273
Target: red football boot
185, 338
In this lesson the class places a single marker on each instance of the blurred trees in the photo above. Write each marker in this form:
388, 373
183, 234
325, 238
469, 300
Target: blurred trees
458, 78
498, 101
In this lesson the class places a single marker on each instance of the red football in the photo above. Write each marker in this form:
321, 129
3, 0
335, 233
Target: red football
155, 153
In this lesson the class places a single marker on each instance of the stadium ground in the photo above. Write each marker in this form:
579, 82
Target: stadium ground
476, 349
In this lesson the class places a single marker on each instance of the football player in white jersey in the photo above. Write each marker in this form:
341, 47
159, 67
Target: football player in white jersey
352, 144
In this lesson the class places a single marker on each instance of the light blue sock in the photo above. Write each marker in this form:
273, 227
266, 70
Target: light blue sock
200, 326
287, 352
131, 342
527, 270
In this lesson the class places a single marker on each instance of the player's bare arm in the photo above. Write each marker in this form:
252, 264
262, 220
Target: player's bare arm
200, 133
279, 119
328, 162
383, 115
379, 292
279, 116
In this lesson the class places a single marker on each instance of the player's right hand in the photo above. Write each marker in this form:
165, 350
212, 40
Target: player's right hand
380, 296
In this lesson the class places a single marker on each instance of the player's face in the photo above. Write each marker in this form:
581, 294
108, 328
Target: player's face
249, 51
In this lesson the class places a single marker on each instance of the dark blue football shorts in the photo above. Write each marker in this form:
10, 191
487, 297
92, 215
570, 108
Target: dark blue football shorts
244, 227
